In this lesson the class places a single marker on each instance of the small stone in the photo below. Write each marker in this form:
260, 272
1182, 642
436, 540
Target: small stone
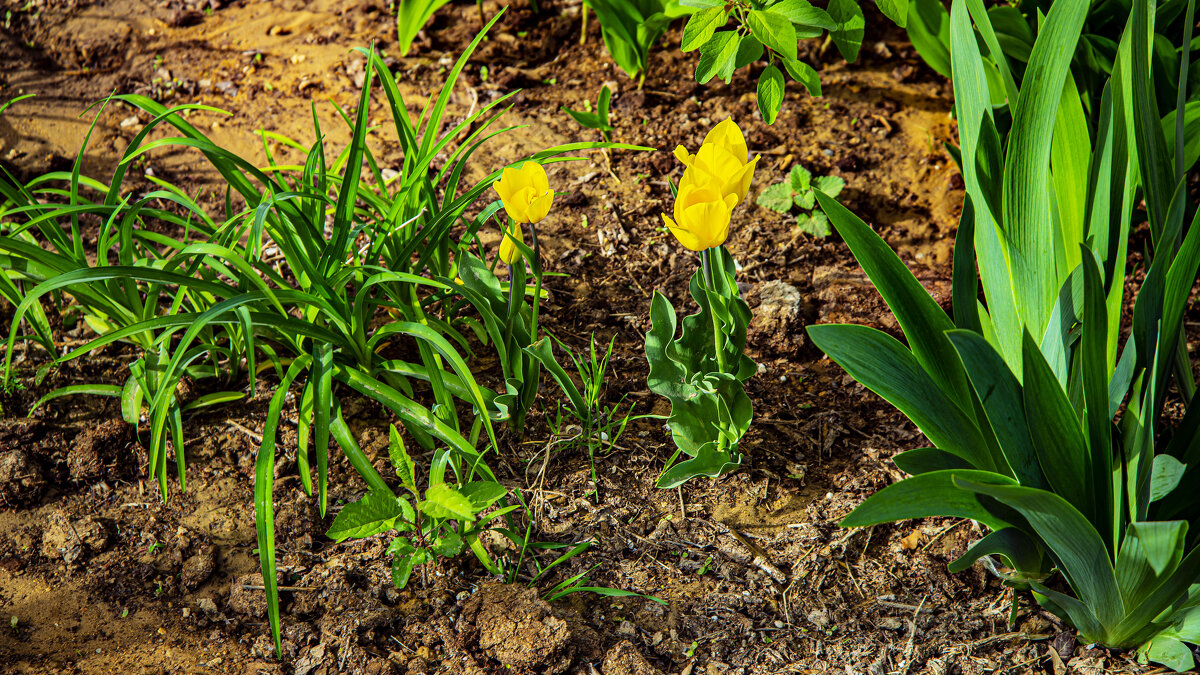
198, 568
21, 480
818, 618
625, 659
131, 121
248, 601
778, 315
207, 606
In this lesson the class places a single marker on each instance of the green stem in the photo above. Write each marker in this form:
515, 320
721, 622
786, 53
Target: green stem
510, 310
537, 285
710, 289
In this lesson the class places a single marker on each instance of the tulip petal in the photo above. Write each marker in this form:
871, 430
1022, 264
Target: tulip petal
689, 240
728, 135
683, 155
535, 176
508, 183
539, 208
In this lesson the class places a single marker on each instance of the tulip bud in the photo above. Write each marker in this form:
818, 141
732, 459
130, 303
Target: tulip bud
509, 252
525, 192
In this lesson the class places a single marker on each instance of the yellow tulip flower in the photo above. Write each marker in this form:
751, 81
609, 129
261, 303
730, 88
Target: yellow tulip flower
525, 192
702, 214
722, 159
509, 252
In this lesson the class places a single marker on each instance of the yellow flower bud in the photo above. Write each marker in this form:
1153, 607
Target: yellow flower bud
722, 160
509, 252
525, 192
702, 214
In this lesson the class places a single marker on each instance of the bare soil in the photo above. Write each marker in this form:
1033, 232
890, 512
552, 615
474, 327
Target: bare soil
100, 575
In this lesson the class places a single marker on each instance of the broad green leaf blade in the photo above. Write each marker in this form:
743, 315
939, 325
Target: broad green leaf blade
1081, 554
406, 470
925, 460
1002, 400
701, 26
884, 366
774, 30
1027, 218
1021, 552
922, 320
1055, 430
928, 28
443, 501
851, 26
933, 494
805, 75
716, 55
376, 512
483, 493
896, 10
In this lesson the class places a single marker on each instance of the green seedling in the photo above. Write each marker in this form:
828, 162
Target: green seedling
797, 194
596, 120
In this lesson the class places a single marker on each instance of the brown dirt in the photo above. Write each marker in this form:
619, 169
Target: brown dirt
101, 576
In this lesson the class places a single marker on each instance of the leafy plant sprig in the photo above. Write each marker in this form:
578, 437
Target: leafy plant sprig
632, 27
773, 28
797, 192
437, 522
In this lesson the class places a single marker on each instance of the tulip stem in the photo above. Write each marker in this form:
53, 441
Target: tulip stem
512, 286
710, 291
537, 285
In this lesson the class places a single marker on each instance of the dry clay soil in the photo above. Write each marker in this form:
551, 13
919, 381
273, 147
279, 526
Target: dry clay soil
100, 575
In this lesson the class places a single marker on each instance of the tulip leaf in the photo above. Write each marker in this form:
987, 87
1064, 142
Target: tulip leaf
710, 410
775, 31
770, 93
701, 26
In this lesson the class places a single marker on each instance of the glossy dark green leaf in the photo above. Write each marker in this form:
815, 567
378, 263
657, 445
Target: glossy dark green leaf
770, 93
1078, 548
924, 323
